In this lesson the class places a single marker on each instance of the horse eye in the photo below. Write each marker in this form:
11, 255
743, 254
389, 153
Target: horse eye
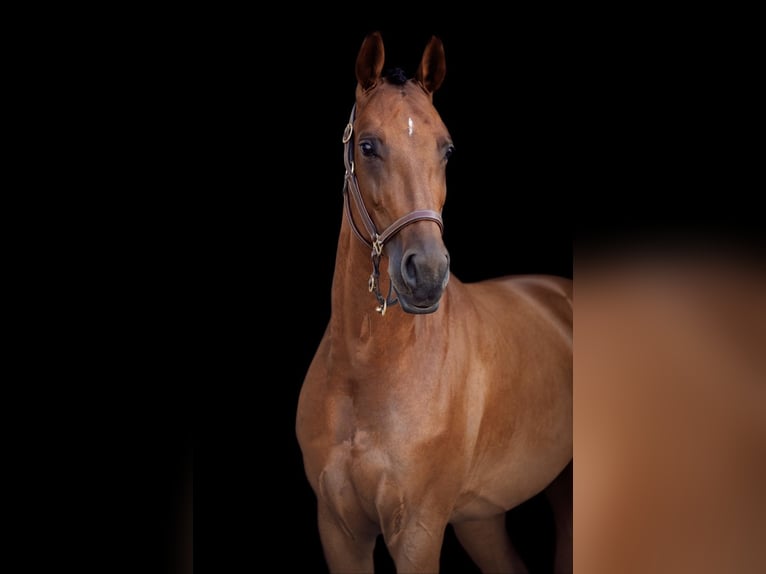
368, 150
449, 152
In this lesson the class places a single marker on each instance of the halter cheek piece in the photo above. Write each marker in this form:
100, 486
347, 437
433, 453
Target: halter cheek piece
377, 240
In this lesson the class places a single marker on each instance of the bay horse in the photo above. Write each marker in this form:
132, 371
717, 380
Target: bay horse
432, 402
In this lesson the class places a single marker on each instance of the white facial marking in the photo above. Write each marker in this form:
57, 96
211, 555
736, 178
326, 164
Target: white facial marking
409, 126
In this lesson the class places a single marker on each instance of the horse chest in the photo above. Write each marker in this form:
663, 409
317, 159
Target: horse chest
380, 449
359, 482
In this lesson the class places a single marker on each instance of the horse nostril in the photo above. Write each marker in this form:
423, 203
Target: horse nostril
410, 270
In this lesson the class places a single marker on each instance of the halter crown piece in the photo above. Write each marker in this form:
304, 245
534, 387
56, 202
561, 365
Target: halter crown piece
377, 240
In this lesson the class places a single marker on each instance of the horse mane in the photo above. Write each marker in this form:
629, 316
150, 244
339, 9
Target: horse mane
396, 76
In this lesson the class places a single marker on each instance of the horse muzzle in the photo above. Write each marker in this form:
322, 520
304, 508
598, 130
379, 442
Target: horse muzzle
419, 279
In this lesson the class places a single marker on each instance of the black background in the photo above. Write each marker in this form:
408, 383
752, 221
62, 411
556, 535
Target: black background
213, 255
228, 205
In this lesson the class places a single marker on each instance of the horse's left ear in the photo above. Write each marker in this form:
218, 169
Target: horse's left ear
432, 67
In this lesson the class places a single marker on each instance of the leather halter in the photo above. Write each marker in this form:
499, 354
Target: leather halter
377, 240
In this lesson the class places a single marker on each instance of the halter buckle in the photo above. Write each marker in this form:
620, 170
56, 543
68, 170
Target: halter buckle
377, 246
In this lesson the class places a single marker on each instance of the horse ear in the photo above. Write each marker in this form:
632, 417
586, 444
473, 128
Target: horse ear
432, 67
369, 61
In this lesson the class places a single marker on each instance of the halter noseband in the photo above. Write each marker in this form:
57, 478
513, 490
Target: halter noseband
377, 240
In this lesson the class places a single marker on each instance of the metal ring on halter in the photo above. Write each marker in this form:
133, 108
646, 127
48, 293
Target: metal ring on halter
347, 132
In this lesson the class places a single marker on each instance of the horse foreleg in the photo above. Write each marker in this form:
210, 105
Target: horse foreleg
487, 543
559, 493
345, 551
416, 547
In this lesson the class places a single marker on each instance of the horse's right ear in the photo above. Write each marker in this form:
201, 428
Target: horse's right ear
369, 61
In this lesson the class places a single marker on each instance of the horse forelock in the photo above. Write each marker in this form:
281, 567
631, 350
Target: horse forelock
396, 76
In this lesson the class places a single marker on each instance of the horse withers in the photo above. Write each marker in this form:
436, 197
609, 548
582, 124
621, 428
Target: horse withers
429, 401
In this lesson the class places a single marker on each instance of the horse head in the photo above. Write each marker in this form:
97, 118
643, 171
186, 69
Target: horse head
397, 153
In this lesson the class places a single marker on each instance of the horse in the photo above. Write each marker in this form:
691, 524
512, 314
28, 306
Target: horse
432, 402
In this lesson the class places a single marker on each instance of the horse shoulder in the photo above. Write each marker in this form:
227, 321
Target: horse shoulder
522, 341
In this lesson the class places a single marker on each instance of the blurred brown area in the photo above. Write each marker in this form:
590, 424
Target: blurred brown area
670, 412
